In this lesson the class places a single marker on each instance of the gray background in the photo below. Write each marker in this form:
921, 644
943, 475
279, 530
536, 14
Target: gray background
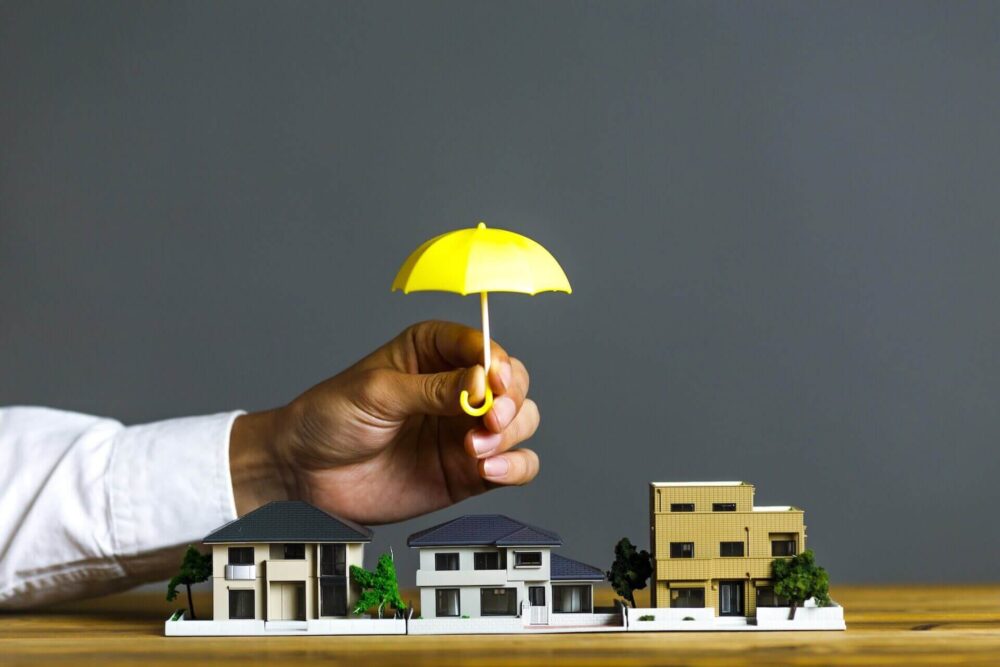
779, 219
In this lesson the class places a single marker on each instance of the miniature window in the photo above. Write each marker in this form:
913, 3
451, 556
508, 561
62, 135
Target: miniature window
574, 599
498, 601
723, 507
333, 597
445, 562
527, 559
241, 555
730, 549
783, 547
766, 597
446, 602
682, 549
487, 560
681, 598
241, 604
332, 560
536, 596
681, 507
295, 551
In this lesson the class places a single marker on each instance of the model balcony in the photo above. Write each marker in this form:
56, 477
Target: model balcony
241, 572
444, 578
295, 569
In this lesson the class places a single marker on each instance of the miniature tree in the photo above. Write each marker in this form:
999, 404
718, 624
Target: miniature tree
630, 571
195, 568
378, 588
799, 578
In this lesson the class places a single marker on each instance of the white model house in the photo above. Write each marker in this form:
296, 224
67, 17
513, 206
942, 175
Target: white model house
491, 565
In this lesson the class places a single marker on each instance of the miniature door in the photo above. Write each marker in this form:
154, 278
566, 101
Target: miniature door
538, 609
730, 598
288, 601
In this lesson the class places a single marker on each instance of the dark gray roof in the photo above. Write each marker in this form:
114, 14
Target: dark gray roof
484, 530
567, 569
289, 521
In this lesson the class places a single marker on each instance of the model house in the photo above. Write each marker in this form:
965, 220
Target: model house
285, 562
711, 547
492, 565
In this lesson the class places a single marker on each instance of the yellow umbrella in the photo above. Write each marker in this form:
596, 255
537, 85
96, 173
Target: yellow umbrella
481, 260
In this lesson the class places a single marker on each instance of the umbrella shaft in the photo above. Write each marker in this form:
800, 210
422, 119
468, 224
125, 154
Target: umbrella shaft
486, 334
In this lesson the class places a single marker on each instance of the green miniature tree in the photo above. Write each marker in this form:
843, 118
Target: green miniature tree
195, 568
630, 571
799, 578
378, 588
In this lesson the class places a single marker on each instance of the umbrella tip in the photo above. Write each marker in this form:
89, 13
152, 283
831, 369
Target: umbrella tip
481, 225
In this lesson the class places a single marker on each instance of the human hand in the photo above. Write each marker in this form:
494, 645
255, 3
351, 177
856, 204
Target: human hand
385, 439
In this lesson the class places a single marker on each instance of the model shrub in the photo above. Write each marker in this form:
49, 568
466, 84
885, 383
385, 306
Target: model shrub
380, 588
630, 571
647, 617
195, 568
799, 578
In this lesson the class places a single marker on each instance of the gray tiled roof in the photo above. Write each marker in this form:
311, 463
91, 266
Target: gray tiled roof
567, 569
484, 530
289, 521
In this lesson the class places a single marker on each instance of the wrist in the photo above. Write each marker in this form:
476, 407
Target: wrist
258, 472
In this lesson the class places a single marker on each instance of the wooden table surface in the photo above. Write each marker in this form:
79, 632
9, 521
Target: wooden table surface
887, 625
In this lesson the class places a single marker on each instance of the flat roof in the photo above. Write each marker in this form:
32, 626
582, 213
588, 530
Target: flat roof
699, 484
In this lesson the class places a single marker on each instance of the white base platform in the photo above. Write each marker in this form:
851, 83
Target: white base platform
769, 619
325, 626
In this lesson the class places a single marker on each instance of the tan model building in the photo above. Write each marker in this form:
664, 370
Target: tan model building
712, 548
286, 562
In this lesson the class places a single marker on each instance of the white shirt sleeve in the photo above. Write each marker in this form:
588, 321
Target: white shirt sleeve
89, 506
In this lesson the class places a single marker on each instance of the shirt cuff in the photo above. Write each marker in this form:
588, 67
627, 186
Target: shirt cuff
169, 486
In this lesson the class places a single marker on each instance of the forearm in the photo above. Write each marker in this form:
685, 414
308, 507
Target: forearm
90, 506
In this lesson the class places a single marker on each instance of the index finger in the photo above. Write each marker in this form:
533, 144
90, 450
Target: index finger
439, 346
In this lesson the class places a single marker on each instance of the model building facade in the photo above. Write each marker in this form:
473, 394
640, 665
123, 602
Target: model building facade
711, 547
285, 561
492, 565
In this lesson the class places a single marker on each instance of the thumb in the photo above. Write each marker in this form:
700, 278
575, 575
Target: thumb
437, 393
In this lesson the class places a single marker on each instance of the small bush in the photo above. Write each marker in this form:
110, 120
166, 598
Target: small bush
688, 618
466, 616
647, 617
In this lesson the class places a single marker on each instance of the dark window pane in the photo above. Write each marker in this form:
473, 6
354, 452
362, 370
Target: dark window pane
730, 548
241, 604
783, 548
487, 561
527, 559
536, 596
681, 507
571, 599
498, 601
332, 560
295, 551
445, 562
332, 596
723, 507
241, 555
687, 597
682, 549
446, 602
767, 598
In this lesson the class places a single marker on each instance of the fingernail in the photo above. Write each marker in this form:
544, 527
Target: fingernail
506, 374
485, 443
504, 410
495, 467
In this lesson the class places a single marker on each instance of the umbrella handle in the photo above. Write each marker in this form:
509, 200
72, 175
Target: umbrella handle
463, 399
482, 409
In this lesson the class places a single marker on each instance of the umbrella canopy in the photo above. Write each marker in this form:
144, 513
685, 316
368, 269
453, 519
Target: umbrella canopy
481, 260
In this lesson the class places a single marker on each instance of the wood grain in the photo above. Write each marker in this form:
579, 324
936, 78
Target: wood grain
887, 625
